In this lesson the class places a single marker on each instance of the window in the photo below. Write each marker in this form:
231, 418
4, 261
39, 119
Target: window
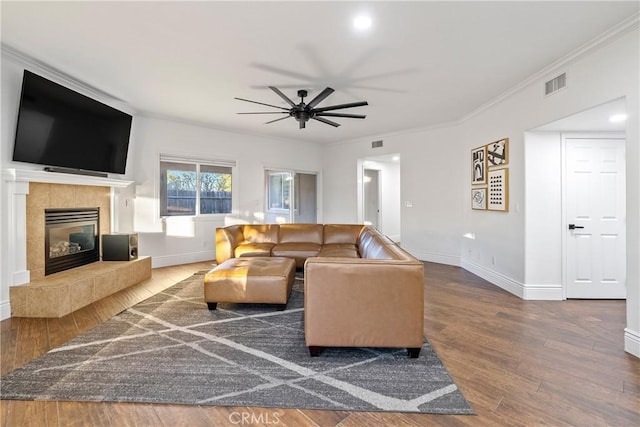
194, 187
279, 191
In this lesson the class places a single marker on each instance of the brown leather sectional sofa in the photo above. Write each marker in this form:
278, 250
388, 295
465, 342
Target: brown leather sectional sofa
361, 288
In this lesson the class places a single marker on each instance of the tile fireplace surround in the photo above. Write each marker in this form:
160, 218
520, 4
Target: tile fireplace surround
26, 194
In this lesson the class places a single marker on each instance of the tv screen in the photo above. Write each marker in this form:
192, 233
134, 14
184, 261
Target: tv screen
60, 127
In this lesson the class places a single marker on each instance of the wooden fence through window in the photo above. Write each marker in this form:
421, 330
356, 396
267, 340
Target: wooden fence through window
183, 202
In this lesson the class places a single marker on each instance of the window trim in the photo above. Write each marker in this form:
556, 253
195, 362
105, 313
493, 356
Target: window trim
197, 161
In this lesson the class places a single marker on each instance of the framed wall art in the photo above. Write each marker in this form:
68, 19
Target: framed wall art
479, 198
498, 153
479, 165
498, 190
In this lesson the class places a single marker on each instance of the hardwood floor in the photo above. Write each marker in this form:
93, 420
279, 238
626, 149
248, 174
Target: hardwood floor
519, 363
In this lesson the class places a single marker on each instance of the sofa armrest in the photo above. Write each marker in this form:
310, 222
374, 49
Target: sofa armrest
227, 239
364, 302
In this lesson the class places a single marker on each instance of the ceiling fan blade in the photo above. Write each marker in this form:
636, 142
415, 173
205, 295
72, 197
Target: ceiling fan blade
329, 122
276, 120
340, 106
350, 116
268, 112
261, 103
320, 97
282, 95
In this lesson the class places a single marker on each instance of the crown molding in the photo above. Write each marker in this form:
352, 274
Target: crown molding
628, 25
61, 77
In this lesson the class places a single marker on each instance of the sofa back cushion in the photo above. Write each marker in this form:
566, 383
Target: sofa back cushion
301, 233
341, 233
369, 236
227, 238
377, 250
261, 233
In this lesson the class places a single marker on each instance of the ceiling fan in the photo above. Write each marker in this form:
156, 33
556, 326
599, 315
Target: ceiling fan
303, 112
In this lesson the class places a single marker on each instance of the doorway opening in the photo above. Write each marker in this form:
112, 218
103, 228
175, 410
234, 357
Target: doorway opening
575, 239
379, 193
291, 197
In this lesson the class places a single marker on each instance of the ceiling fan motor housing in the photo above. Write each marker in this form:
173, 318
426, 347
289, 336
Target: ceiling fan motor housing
304, 112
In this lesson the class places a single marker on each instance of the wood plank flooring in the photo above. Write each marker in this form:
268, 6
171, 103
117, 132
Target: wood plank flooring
519, 363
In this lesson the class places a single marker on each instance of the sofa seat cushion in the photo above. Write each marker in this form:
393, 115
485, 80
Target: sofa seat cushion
298, 251
339, 250
253, 249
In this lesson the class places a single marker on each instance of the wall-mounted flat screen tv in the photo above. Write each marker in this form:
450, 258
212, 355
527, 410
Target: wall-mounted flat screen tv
63, 128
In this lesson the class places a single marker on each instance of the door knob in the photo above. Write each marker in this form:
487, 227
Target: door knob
573, 226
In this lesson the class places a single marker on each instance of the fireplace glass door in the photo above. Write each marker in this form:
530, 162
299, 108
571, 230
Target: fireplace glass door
71, 238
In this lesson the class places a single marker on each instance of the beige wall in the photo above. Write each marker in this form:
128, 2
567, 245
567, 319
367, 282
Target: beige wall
47, 196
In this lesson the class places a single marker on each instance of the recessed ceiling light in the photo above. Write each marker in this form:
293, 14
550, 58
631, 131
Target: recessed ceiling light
395, 158
362, 22
617, 118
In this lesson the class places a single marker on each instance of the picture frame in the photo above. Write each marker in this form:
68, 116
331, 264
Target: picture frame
479, 165
498, 190
479, 198
498, 153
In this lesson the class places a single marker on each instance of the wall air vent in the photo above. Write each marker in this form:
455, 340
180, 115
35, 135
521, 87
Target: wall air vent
376, 144
555, 84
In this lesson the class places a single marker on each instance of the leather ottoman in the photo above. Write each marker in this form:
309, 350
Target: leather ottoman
266, 280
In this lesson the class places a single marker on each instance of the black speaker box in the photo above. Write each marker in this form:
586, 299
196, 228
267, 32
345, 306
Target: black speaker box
119, 247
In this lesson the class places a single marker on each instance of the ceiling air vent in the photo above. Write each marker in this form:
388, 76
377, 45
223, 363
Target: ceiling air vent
376, 144
555, 84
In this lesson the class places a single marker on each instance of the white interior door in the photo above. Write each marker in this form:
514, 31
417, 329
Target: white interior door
372, 197
595, 213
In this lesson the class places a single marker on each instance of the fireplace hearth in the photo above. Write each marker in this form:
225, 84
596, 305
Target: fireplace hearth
72, 238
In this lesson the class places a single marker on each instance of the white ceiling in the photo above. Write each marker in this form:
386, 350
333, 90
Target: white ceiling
421, 63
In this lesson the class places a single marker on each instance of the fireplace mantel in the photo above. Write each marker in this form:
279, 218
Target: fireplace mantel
27, 175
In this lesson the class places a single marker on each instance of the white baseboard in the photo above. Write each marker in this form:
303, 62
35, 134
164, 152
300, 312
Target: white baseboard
5, 310
168, 260
549, 292
543, 292
632, 342
496, 278
434, 257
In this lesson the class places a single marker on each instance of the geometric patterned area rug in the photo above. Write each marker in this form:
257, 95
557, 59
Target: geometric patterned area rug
171, 349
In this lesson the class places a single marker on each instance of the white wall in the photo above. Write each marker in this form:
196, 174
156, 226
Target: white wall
431, 183
543, 199
181, 240
436, 174
605, 73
